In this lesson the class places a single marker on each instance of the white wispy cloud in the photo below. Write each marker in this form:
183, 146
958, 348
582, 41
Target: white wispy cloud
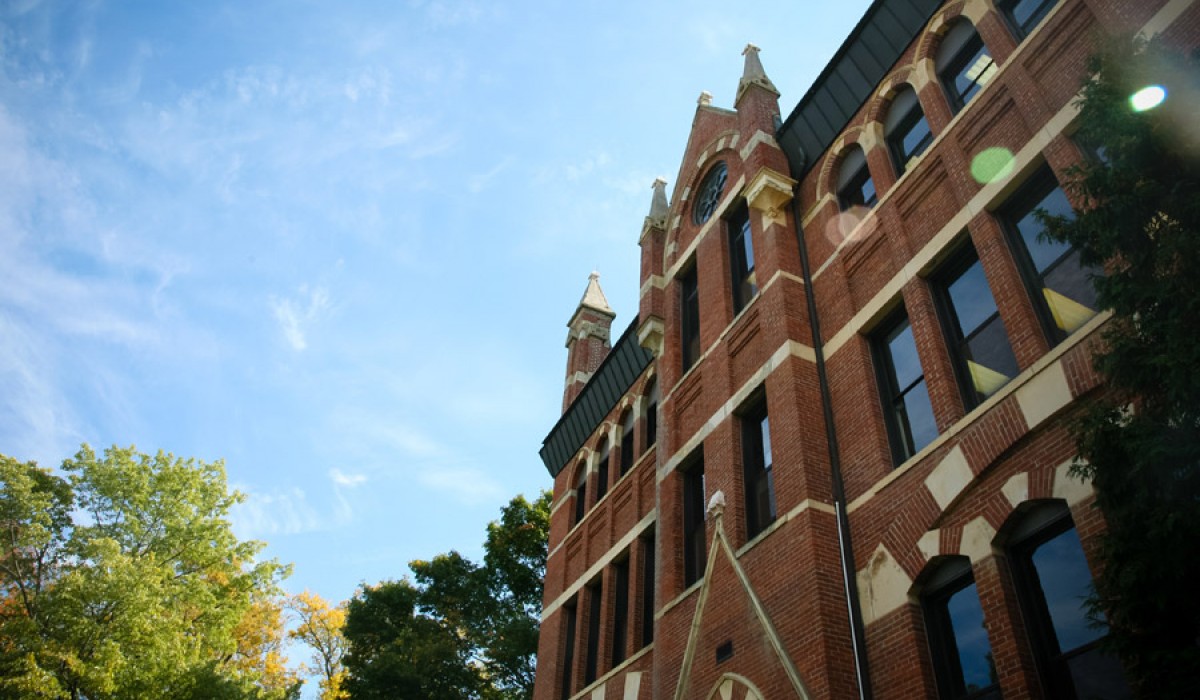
296, 315
466, 485
341, 478
280, 512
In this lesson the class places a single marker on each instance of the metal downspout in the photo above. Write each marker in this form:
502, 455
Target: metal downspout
845, 547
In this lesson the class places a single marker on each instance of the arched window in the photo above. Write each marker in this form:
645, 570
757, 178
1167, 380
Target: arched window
958, 643
651, 414
963, 63
602, 470
855, 188
906, 131
580, 492
1053, 583
626, 442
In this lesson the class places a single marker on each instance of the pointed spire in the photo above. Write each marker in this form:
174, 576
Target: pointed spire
753, 73
658, 205
593, 296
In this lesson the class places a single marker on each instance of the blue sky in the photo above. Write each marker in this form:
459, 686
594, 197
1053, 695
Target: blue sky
336, 244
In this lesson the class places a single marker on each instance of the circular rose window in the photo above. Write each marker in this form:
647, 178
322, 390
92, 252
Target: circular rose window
710, 193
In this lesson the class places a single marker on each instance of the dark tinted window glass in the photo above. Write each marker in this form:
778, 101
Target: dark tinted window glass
962, 653
689, 319
695, 548
1024, 15
1061, 286
907, 409
741, 258
569, 653
963, 64
855, 187
602, 472
581, 495
620, 610
976, 335
652, 416
907, 131
592, 665
648, 589
760, 479
626, 442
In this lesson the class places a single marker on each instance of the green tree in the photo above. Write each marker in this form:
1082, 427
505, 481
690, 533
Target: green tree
1140, 441
479, 620
395, 651
124, 580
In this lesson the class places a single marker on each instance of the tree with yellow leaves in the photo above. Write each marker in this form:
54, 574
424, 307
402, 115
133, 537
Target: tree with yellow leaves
320, 629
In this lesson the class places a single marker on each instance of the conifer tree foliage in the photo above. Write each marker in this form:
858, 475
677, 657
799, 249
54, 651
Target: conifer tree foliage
125, 580
1140, 442
461, 630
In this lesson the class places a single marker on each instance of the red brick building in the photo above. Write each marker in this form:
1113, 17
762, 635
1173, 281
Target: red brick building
828, 459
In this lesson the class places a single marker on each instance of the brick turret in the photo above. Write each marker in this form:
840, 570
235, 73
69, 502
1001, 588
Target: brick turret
588, 340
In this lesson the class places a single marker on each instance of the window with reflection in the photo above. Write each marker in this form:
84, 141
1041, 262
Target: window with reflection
906, 130
569, 615
741, 259
602, 470
1059, 283
958, 641
963, 64
1024, 15
907, 410
855, 188
1053, 583
626, 442
975, 334
756, 460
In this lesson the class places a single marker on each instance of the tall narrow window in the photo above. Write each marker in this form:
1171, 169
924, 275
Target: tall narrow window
689, 318
906, 130
602, 471
694, 545
756, 459
1053, 582
855, 188
569, 652
958, 642
652, 414
620, 610
979, 346
963, 64
1024, 15
581, 493
648, 564
741, 259
592, 666
626, 442
1061, 286
906, 407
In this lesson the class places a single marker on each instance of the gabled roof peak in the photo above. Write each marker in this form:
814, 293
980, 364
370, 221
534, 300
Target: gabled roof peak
593, 296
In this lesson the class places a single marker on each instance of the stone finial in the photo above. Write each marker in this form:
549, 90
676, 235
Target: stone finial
753, 73
716, 504
593, 296
705, 98
658, 205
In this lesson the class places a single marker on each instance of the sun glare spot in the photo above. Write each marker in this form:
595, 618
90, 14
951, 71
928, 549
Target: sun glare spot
992, 165
1147, 98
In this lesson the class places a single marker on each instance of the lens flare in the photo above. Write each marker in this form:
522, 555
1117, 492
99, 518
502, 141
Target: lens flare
991, 165
1147, 98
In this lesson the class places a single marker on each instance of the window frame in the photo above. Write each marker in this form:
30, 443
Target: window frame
651, 417
695, 543
1044, 522
1026, 200
901, 443
591, 670
957, 342
627, 450
897, 129
570, 611
744, 284
581, 507
689, 318
757, 468
604, 453
620, 627
958, 63
648, 584
951, 577
850, 192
